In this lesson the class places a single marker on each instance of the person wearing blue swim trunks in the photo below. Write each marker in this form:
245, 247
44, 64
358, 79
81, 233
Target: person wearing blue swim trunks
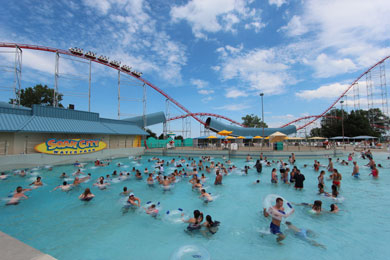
303, 234
277, 213
355, 172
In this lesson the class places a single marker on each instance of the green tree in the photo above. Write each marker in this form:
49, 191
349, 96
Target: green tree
315, 132
37, 95
253, 121
151, 133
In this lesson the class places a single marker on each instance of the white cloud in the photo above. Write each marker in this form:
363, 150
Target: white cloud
257, 26
233, 107
206, 92
260, 69
207, 99
326, 67
102, 5
235, 93
199, 83
295, 27
214, 16
324, 92
278, 3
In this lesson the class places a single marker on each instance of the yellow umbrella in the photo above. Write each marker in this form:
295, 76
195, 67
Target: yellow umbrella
277, 137
240, 137
257, 137
225, 132
230, 137
211, 137
267, 138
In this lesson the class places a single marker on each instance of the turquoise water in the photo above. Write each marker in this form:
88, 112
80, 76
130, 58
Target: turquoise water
59, 224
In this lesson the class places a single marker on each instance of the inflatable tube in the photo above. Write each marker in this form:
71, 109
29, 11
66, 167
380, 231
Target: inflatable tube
174, 216
270, 201
190, 252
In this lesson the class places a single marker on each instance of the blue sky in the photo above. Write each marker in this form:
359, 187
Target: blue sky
210, 55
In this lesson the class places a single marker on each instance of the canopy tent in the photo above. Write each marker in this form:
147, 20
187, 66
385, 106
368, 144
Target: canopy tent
277, 137
318, 138
212, 137
339, 138
295, 138
365, 137
169, 134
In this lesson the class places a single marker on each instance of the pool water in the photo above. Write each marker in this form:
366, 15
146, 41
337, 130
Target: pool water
61, 225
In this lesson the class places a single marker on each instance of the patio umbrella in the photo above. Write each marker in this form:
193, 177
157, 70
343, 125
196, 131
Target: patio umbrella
224, 132
277, 137
317, 138
257, 137
212, 137
230, 137
240, 137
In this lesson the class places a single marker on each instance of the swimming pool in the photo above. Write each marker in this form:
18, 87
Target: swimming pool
59, 224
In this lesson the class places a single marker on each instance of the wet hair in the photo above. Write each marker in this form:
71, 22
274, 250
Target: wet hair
86, 192
19, 189
317, 204
64, 183
210, 220
203, 190
332, 207
279, 199
257, 181
196, 214
124, 188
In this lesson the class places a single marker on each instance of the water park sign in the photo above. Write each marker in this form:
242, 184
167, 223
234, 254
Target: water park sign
70, 146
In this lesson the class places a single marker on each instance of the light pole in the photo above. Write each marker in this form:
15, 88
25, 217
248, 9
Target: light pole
262, 115
342, 119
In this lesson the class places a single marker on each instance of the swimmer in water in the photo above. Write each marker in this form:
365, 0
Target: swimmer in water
78, 180
334, 208
194, 223
355, 172
166, 183
21, 173
151, 210
133, 200
274, 176
63, 175
37, 183
207, 197
277, 213
64, 187
125, 192
256, 182
374, 172
316, 206
18, 194
150, 179
86, 195
3, 176
303, 234
101, 185
210, 225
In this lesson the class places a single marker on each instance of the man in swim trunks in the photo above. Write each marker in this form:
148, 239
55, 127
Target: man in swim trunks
207, 197
355, 172
330, 165
277, 213
18, 194
64, 187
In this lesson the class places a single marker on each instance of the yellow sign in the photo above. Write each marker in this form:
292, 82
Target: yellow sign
70, 146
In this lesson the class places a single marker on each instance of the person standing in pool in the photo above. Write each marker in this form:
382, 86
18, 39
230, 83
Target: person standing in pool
259, 166
207, 197
299, 179
218, 179
336, 177
330, 165
374, 171
355, 172
274, 176
277, 213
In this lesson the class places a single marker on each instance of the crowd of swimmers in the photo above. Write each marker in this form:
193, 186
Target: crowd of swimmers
191, 169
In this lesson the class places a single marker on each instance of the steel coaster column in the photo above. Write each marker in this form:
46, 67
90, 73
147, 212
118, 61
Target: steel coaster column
119, 94
56, 76
18, 75
369, 96
188, 126
144, 106
356, 96
167, 115
382, 71
89, 87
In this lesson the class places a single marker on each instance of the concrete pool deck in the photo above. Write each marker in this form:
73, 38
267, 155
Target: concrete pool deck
13, 249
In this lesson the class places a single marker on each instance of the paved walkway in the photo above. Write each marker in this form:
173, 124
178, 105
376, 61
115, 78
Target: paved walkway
13, 249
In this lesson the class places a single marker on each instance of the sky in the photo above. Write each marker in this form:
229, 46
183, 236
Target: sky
212, 56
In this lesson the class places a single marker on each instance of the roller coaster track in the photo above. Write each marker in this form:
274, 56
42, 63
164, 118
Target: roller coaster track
338, 99
205, 114
64, 52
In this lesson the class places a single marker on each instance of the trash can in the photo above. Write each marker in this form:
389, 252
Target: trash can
279, 146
